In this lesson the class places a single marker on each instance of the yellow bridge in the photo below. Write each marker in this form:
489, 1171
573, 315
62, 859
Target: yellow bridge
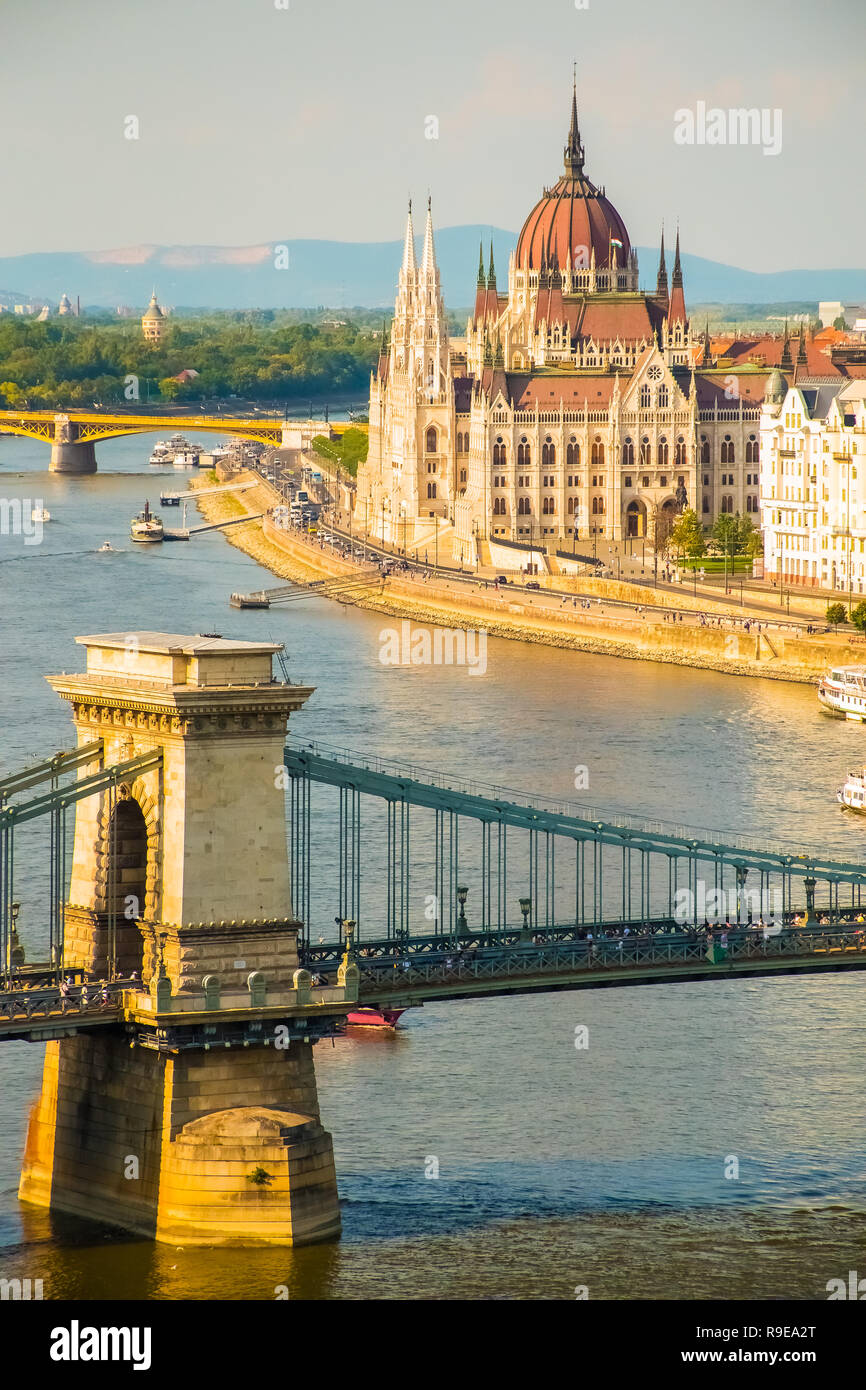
72, 434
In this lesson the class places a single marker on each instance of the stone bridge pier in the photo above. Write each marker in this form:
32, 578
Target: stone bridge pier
69, 454
196, 1119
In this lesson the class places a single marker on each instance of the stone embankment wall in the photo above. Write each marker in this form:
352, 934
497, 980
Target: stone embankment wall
776, 654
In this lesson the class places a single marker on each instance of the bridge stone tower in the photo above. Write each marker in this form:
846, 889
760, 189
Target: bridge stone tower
69, 454
197, 1119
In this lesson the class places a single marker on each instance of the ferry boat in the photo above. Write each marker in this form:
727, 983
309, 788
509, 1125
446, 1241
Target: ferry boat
374, 1018
162, 454
852, 794
146, 527
842, 692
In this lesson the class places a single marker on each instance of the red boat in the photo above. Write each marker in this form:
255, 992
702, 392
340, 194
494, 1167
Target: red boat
375, 1018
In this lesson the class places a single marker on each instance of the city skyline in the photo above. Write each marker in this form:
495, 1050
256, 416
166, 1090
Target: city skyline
328, 143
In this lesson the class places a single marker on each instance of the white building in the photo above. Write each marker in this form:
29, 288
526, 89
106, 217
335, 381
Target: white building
813, 483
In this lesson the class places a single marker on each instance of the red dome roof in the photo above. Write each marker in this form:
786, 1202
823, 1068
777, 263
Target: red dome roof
573, 219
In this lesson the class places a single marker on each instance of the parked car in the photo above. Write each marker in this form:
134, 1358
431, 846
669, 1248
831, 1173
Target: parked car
502, 579
532, 584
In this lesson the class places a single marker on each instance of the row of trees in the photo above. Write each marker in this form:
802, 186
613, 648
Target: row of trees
72, 362
733, 535
837, 613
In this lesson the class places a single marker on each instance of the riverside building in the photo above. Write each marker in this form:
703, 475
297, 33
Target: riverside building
577, 407
813, 483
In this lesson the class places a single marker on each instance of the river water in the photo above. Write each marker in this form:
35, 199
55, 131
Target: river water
710, 1141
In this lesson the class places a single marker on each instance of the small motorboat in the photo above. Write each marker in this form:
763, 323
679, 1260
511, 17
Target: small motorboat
147, 527
852, 794
40, 514
106, 548
374, 1018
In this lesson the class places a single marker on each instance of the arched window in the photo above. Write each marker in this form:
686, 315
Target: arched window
727, 506
548, 506
432, 439
705, 449
645, 398
499, 506
524, 454
663, 453
681, 452
524, 507
727, 449
463, 475
751, 449
705, 504
572, 453
124, 884
663, 398
628, 454
595, 506
572, 506
460, 441
431, 490
645, 453
597, 453
548, 453
499, 454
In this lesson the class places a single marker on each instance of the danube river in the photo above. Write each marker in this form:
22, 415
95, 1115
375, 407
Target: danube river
603, 1168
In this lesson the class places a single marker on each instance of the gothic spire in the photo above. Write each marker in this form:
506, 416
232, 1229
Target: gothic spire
677, 276
428, 260
481, 276
491, 278
662, 281
409, 244
574, 155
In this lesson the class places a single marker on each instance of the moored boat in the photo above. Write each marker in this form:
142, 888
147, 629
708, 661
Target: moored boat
147, 527
852, 794
842, 692
374, 1018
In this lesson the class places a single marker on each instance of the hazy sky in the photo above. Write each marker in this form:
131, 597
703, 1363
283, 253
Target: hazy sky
259, 123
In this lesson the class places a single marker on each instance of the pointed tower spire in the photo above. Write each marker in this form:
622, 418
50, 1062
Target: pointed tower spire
785, 359
481, 276
802, 359
409, 263
677, 276
428, 260
491, 276
662, 280
677, 309
574, 155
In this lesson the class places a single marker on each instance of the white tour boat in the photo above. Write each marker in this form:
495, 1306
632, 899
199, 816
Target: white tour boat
842, 691
852, 794
146, 527
162, 454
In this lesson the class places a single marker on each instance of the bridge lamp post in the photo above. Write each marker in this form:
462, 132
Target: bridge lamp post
525, 908
462, 924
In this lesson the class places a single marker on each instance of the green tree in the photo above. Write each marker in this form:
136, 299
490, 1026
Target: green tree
858, 617
839, 322
169, 389
13, 395
836, 613
726, 531
687, 534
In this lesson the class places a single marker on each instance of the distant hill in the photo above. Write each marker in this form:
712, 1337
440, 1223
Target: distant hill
337, 273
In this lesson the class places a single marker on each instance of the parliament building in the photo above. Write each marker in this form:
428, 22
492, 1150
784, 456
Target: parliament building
578, 406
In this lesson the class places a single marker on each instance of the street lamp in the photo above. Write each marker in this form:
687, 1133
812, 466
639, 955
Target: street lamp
462, 895
525, 908
16, 950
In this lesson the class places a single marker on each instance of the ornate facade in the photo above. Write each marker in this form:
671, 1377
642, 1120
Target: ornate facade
577, 406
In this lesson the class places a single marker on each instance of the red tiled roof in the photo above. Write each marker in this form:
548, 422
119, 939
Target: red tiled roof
570, 221
546, 391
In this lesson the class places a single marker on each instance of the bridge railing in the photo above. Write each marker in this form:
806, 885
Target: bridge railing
451, 965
